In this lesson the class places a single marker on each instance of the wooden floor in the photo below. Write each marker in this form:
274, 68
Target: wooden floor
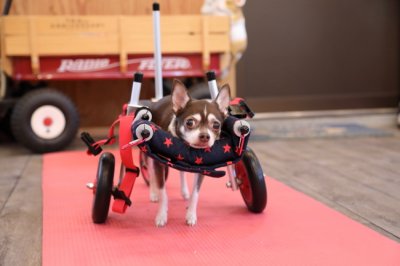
358, 176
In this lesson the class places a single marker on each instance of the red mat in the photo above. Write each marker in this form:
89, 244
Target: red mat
294, 230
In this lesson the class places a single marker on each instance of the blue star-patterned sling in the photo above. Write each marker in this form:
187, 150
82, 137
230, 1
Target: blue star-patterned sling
174, 152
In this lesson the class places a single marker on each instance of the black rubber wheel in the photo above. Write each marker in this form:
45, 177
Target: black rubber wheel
103, 188
250, 178
44, 120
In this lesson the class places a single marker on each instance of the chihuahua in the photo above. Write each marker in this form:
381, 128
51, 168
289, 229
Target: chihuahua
198, 123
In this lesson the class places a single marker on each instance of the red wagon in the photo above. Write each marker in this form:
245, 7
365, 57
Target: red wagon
36, 49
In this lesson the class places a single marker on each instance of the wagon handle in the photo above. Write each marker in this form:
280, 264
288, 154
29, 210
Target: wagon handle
135, 93
6, 7
212, 84
157, 51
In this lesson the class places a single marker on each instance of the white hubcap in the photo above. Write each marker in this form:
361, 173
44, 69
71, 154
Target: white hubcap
48, 122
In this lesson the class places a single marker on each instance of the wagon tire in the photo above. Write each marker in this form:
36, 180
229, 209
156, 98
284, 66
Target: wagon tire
398, 117
44, 120
103, 188
251, 181
3, 84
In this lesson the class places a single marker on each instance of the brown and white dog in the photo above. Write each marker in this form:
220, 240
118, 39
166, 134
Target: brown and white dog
197, 122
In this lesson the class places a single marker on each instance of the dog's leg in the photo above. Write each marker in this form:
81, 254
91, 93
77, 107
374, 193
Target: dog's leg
184, 186
191, 213
162, 213
154, 191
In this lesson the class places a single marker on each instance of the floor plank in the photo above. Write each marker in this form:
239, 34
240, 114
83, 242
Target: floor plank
21, 219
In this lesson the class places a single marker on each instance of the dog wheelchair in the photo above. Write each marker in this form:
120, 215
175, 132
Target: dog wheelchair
136, 129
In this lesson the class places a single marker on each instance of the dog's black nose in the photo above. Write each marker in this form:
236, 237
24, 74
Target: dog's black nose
204, 137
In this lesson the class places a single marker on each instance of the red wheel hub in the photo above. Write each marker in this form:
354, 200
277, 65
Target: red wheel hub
245, 187
48, 121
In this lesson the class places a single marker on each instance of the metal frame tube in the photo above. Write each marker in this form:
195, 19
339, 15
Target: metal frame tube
212, 84
232, 177
213, 87
135, 93
157, 52
6, 7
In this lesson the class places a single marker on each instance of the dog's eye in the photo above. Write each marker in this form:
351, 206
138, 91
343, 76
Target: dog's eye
216, 125
190, 123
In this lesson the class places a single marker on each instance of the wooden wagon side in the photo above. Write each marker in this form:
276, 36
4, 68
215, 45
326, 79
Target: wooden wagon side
37, 36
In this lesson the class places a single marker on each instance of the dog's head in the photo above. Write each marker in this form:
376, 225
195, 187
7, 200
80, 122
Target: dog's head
199, 122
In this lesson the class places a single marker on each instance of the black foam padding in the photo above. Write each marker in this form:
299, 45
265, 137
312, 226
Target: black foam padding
138, 77
177, 154
210, 75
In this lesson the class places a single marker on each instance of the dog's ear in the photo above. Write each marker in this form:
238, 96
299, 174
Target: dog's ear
223, 98
180, 97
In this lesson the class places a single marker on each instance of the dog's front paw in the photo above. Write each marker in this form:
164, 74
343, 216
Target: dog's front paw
191, 218
161, 219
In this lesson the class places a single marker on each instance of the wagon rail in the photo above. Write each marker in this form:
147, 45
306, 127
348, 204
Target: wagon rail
83, 47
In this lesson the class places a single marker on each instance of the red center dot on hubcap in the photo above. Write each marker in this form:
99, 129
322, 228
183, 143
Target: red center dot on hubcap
47, 121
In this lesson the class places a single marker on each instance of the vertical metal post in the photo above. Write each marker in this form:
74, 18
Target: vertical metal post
232, 181
157, 51
213, 87
212, 84
135, 94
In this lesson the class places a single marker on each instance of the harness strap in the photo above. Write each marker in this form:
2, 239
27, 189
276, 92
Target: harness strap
131, 170
119, 194
123, 192
110, 138
239, 148
93, 146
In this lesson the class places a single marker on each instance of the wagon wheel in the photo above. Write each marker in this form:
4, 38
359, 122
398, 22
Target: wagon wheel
5, 111
44, 120
103, 188
398, 117
3, 84
250, 178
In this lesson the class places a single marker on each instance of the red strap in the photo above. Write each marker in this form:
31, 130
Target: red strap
110, 138
125, 136
239, 149
126, 186
235, 101
133, 143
